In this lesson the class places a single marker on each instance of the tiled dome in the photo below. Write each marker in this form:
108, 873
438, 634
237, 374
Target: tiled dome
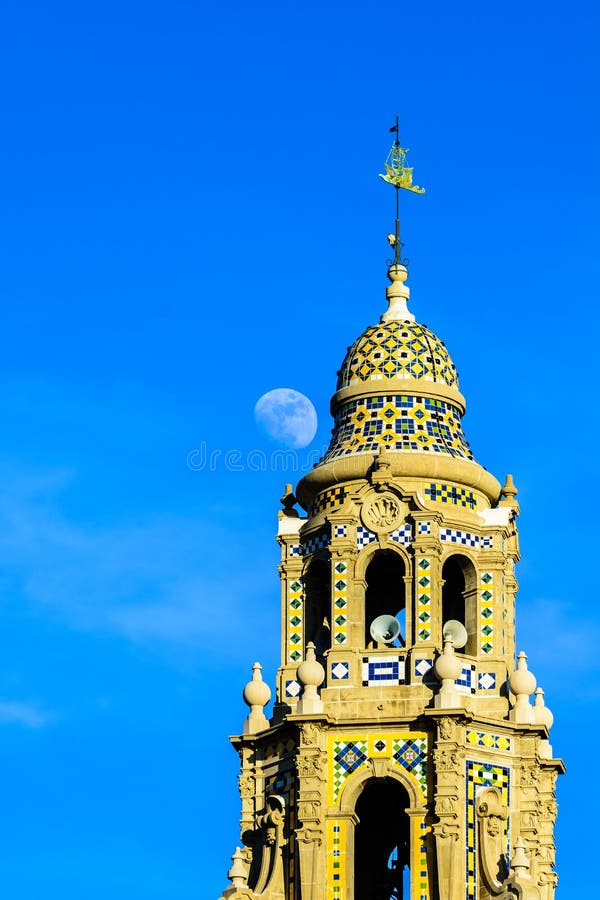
391, 350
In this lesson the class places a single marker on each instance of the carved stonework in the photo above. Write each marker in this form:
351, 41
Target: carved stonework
446, 806
309, 809
446, 760
308, 734
491, 818
446, 729
383, 513
309, 766
266, 843
246, 784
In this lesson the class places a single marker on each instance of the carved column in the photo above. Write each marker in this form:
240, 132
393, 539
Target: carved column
310, 834
449, 793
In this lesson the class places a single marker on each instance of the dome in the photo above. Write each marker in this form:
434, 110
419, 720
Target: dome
397, 388
397, 393
391, 350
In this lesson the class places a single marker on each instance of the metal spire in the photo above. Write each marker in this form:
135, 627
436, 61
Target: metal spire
400, 176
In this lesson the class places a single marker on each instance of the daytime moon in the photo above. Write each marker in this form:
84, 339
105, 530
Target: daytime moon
286, 416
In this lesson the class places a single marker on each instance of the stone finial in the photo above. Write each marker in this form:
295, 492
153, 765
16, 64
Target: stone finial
543, 716
288, 501
448, 668
311, 674
522, 683
238, 873
256, 694
519, 862
541, 713
509, 493
397, 294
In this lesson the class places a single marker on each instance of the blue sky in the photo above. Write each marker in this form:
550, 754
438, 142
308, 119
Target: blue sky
190, 216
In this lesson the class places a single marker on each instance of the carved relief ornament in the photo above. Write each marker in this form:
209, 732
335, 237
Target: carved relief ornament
383, 512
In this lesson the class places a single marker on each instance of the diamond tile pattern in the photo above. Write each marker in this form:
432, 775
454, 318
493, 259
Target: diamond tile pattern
377, 670
397, 350
489, 740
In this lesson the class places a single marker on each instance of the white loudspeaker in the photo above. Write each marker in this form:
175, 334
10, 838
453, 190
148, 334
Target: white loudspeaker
456, 632
385, 629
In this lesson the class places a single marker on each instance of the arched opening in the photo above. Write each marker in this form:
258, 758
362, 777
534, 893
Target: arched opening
382, 842
317, 594
459, 597
385, 593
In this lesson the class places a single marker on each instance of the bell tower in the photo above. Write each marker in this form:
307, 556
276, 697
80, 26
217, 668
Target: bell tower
404, 757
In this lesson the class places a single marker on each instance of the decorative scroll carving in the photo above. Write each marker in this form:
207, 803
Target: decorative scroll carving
491, 816
266, 842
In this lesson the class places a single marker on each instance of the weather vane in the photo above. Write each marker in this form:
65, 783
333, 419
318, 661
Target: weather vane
400, 176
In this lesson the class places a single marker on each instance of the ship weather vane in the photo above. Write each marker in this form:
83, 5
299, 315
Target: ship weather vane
400, 176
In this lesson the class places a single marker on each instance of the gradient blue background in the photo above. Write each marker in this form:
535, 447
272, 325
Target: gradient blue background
190, 215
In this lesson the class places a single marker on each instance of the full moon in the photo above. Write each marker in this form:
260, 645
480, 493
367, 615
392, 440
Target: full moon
287, 416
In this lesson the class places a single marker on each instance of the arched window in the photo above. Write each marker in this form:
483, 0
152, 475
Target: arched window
385, 594
459, 597
382, 842
317, 593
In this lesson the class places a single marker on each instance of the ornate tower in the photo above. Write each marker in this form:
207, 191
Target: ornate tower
404, 758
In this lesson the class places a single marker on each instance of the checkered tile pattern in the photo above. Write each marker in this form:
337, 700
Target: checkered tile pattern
465, 538
402, 535
328, 500
453, 536
450, 494
315, 543
364, 537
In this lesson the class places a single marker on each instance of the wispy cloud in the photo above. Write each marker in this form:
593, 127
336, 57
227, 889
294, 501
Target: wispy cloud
164, 579
26, 714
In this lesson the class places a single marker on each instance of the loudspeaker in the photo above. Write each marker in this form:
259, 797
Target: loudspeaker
385, 629
456, 632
